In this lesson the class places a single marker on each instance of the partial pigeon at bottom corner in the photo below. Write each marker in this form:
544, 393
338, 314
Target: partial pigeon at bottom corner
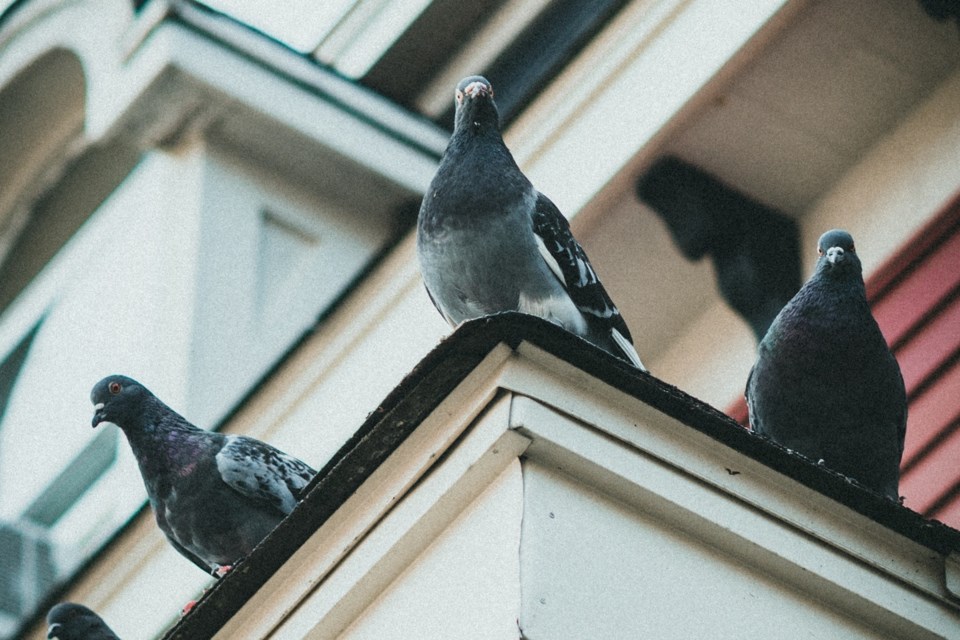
71, 621
214, 496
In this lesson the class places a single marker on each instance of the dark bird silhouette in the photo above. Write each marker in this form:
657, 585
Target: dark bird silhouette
215, 496
489, 242
70, 621
825, 384
754, 248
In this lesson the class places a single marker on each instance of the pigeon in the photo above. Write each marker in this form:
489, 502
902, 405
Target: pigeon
214, 496
488, 242
70, 621
824, 383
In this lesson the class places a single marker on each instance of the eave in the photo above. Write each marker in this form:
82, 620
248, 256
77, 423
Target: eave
514, 368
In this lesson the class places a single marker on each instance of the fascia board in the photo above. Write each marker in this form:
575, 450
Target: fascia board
315, 78
828, 521
663, 438
333, 544
762, 540
528, 402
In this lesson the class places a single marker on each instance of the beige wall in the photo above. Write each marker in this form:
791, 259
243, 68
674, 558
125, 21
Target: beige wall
901, 182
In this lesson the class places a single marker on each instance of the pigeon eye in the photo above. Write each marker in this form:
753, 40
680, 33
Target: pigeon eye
853, 248
114, 388
459, 96
819, 251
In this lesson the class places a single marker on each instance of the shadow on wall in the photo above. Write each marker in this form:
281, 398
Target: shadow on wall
754, 248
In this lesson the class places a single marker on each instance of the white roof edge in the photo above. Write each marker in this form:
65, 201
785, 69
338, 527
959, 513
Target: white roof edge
619, 444
318, 79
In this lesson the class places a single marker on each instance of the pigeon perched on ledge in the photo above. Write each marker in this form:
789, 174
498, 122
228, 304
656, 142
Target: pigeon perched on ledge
489, 242
70, 621
825, 384
214, 496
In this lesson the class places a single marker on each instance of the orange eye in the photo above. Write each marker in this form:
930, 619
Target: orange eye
114, 388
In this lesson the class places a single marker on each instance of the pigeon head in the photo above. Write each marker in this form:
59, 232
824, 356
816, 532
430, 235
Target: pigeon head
838, 254
475, 106
118, 399
70, 621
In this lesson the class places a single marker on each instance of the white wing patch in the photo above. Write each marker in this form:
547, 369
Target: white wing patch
627, 349
558, 309
549, 259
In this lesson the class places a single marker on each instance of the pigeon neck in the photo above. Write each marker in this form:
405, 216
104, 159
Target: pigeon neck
846, 283
829, 312
162, 440
477, 178
471, 135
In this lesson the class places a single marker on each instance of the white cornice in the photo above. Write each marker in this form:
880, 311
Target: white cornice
528, 402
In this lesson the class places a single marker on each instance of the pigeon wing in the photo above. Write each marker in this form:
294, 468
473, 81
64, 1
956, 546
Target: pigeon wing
438, 307
262, 473
752, 416
570, 264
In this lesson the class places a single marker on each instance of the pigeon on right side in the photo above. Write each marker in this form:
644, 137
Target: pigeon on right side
214, 496
825, 383
488, 242
71, 621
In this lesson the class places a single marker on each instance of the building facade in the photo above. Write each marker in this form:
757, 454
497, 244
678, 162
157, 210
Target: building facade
227, 217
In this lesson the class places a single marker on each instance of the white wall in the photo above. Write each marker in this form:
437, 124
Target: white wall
118, 299
595, 568
466, 584
272, 257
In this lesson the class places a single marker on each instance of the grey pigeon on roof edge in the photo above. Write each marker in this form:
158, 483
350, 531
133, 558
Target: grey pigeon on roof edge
71, 621
825, 384
489, 242
214, 496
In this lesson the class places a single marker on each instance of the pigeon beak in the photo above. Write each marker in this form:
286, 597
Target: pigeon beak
53, 630
835, 255
97, 414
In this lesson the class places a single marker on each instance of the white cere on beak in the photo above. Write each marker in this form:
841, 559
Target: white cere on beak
98, 406
835, 255
475, 87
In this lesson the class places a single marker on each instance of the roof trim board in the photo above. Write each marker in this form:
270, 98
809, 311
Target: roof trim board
408, 127
498, 353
